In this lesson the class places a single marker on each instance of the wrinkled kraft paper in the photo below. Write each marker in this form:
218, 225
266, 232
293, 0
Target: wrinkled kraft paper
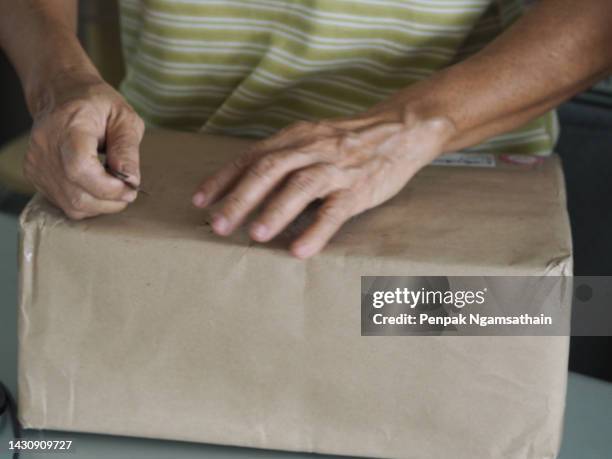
147, 324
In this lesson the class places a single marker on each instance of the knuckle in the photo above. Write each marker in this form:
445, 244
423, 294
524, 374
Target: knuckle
306, 181
320, 145
123, 142
127, 111
74, 169
129, 116
269, 143
234, 203
327, 171
67, 108
243, 160
322, 142
347, 142
263, 167
275, 212
334, 213
72, 112
38, 137
121, 153
140, 124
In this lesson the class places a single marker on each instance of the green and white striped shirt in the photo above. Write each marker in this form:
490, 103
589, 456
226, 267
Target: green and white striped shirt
252, 67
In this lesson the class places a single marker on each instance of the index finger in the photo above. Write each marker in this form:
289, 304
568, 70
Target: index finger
79, 155
123, 136
294, 135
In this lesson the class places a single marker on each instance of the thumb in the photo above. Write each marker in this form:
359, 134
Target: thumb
123, 135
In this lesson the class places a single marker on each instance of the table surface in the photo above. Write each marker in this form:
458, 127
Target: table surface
588, 421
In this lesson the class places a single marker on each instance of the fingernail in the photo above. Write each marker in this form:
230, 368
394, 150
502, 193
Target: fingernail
302, 251
130, 196
259, 232
199, 199
220, 224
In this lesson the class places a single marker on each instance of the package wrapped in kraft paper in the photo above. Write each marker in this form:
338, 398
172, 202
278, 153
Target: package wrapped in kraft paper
146, 323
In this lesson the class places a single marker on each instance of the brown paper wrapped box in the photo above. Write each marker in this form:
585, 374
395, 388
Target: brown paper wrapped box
145, 323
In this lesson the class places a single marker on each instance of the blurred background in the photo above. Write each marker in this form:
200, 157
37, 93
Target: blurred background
585, 147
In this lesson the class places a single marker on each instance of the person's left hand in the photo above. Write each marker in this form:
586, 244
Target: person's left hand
352, 165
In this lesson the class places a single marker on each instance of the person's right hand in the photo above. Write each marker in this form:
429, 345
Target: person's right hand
74, 119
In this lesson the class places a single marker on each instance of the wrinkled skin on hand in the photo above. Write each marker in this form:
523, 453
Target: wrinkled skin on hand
352, 165
74, 119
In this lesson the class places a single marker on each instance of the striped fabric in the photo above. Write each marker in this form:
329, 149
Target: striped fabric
251, 67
